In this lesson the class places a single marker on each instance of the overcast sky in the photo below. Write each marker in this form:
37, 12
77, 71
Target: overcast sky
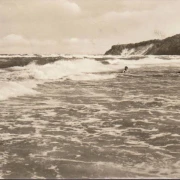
83, 26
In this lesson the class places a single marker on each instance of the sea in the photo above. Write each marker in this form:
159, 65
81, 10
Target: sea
79, 116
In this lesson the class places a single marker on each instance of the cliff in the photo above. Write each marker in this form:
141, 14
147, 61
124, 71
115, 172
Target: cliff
168, 46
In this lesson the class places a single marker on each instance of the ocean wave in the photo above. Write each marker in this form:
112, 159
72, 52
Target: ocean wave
24, 61
18, 81
63, 68
44, 69
14, 89
146, 61
7, 61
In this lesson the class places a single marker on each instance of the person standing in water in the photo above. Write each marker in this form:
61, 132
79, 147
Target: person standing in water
125, 69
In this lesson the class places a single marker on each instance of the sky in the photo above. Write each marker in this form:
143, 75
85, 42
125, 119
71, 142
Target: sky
83, 26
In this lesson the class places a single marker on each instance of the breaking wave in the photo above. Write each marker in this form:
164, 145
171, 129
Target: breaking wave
18, 71
24, 60
80, 114
14, 89
59, 69
19, 81
146, 61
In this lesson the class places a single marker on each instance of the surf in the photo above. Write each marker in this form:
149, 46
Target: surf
20, 71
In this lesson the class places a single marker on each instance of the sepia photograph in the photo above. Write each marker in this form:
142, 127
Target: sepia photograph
89, 89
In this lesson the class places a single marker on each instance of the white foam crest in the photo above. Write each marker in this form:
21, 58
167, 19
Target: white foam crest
113, 56
148, 61
16, 55
50, 55
14, 89
79, 56
88, 77
75, 70
154, 136
66, 68
122, 63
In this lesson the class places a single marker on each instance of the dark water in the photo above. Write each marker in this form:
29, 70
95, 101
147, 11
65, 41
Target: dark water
86, 126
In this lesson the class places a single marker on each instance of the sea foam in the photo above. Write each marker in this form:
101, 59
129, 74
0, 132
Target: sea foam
18, 80
14, 89
67, 68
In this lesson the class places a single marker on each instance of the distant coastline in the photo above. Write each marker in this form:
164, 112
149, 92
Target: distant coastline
167, 46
